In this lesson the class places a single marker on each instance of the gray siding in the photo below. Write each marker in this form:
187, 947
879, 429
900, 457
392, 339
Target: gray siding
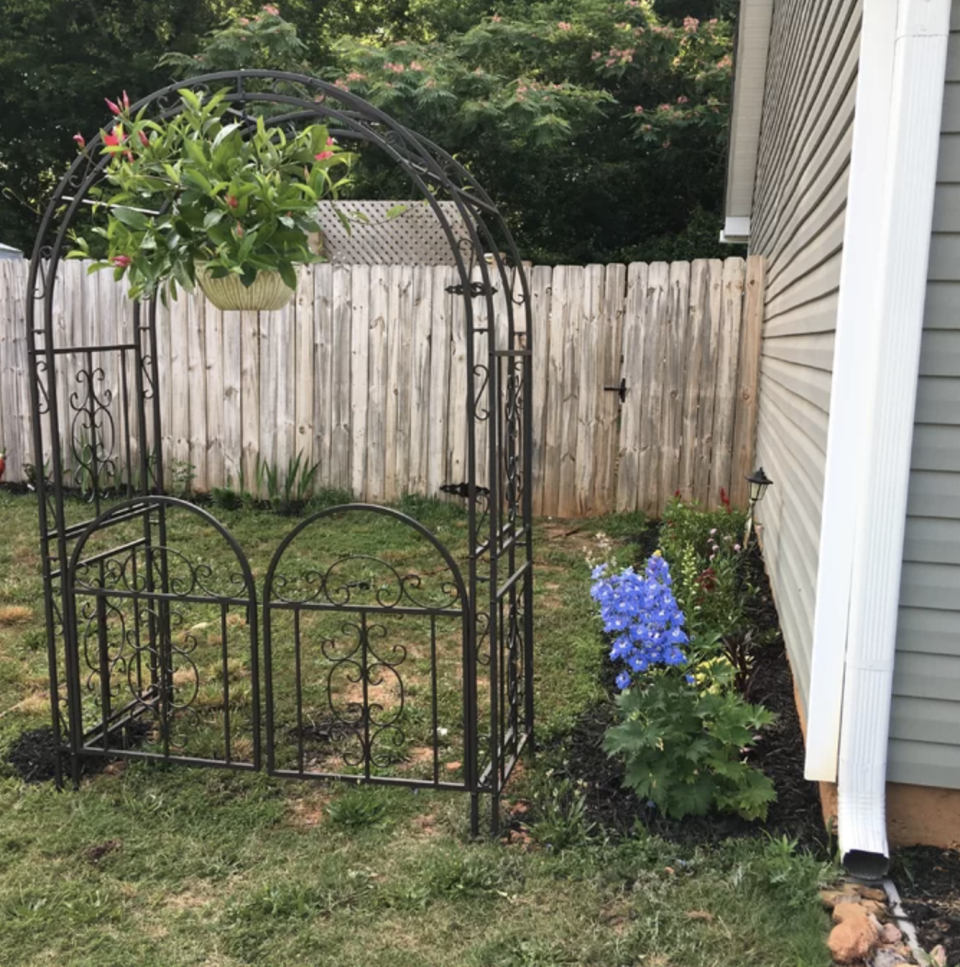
925, 724
798, 220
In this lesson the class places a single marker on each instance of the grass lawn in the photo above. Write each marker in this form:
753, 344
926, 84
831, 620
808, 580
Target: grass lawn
160, 865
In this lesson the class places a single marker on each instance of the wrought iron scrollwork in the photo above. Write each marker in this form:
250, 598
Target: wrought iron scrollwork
93, 433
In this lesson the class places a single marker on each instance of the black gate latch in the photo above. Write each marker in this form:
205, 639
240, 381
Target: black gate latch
620, 390
463, 490
476, 289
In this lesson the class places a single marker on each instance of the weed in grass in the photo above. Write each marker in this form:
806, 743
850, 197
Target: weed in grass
560, 813
35, 639
357, 808
794, 874
469, 873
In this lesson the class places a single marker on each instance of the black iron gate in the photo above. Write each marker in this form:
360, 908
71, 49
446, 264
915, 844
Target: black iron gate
367, 671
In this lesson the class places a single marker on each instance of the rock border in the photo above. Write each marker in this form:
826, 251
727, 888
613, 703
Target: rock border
871, 928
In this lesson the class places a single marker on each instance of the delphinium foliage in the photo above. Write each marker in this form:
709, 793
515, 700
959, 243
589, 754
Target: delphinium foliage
684, 728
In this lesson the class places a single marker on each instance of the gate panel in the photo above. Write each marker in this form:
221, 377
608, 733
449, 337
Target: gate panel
163, 625
367, 669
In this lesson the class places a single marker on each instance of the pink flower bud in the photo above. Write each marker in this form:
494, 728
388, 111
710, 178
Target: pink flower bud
115, 108
121, 261
81, 141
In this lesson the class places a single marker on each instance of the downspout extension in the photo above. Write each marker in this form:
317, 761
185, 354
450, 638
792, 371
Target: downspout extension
892, 368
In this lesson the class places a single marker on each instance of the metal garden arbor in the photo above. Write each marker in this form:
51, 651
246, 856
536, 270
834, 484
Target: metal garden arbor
163, 644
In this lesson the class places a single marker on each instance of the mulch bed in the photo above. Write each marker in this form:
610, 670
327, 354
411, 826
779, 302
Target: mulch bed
928, 879
779, 753
33, 755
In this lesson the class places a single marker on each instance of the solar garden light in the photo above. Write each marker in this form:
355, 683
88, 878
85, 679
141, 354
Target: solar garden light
759, 482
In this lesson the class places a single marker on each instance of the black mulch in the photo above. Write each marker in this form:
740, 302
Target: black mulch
928, 879
779, 753
33, 754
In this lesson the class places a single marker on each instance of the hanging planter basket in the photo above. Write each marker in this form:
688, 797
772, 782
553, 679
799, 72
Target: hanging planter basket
268, 292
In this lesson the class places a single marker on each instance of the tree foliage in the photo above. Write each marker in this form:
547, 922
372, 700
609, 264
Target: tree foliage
58, 60
598, 126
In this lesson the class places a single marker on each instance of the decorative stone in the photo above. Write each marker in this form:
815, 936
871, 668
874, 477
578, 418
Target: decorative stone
871, 893
841, 894
848, 911
887, 957
854, 940
890, 934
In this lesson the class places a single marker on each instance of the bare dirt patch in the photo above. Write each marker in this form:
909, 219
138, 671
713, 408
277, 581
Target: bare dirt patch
309, 811
15, 614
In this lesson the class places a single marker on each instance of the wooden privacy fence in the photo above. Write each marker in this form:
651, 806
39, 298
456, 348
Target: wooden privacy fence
645, 380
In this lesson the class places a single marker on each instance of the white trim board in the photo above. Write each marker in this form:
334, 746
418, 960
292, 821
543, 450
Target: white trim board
750, 69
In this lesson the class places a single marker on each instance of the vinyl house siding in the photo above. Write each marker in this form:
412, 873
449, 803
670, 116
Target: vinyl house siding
925, 721
797, 225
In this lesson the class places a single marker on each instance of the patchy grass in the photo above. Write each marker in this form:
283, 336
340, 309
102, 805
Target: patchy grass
165, 866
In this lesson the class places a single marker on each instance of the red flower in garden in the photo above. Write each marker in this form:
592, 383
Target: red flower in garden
724, 499
144, 140
115, 138
323, 155
707, 579
121, 261
81, 141
114, 107
232, 201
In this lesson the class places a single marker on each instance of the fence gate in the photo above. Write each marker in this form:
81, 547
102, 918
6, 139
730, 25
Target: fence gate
368, 666
378, 662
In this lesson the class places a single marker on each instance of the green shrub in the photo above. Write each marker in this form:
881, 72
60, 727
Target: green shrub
683, 745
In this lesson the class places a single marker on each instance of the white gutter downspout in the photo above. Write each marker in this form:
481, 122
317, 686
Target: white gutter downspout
857, 309
892, 365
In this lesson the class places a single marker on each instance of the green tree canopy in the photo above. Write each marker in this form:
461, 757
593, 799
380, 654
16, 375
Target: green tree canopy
598, 126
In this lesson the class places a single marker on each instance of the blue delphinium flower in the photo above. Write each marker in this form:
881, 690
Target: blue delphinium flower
642, 611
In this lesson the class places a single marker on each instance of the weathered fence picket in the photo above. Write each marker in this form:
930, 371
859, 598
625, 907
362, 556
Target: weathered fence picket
364, 373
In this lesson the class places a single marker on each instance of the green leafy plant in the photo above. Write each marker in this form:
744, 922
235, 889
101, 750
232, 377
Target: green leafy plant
357, 809
793, 873
182, 475
683, 748
207, 187
226, 498
560, 813
289, 491
711, 582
